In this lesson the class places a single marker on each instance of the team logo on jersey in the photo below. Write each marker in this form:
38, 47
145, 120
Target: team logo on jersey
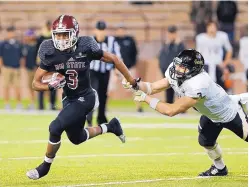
80, 55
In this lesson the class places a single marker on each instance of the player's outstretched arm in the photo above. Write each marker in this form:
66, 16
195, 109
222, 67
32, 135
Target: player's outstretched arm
179, 106
37, 81
149, 88
111, 58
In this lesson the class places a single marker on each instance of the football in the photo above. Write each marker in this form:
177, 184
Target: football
51, 76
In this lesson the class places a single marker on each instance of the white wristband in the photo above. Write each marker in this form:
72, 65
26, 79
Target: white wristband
148, 88
153, 103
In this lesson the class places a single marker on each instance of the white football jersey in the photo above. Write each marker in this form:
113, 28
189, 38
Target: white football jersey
213, 101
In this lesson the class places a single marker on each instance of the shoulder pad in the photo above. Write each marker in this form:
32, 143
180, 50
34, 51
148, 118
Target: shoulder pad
85, 41
46, 49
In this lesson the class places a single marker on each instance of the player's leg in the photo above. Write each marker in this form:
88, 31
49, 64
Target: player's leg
102, 92
55, 130
239, 125
208, 134
75, 131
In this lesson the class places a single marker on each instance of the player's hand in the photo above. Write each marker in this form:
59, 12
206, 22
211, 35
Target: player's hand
139, 96
126, 85
56, 84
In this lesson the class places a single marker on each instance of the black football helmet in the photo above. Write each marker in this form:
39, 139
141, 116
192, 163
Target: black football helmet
191, 60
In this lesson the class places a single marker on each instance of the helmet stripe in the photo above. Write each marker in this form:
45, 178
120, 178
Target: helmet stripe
60, 22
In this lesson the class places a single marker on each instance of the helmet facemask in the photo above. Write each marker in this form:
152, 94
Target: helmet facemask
63, 44
179, 71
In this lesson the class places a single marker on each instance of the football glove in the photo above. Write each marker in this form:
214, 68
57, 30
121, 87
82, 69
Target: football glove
127, 85
56, 84
139, 96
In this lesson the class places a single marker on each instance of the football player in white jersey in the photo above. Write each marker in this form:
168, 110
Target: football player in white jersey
196, 89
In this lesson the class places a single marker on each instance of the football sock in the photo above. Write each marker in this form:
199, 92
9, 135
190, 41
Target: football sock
43, 169
219, 163
104, 128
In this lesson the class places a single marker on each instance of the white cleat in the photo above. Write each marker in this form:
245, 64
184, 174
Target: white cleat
33, 174
122, 138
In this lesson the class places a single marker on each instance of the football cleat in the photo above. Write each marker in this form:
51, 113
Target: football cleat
39, 172
213, 171
33, 174
114, 126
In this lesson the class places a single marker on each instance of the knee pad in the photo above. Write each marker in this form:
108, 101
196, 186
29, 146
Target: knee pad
55, 130
205, 143
214, 152
78, 138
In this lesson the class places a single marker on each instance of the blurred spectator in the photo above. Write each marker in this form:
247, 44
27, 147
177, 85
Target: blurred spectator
128, 50
30, 52
11, 59
100, 71
46, 34
243, 49
211, 45
201, 13
171, 48
226, 15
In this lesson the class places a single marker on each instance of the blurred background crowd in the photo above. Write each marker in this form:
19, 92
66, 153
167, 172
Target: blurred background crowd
148, 35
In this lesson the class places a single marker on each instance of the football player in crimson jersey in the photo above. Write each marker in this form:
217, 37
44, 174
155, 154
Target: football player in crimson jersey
196, 89
71, 55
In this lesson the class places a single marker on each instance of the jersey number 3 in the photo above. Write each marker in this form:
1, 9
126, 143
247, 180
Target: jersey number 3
72, 79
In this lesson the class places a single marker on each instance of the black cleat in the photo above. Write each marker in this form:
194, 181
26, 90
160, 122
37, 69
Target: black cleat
114, 127
213, 171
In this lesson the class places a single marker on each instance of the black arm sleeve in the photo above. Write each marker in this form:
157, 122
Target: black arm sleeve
97, 53
46, 48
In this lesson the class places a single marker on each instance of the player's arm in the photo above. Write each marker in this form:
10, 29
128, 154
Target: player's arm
179, 106
37, 84
155, 87
111, 58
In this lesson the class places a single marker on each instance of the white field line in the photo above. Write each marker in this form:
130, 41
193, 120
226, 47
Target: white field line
122, 155
110, 113
140, 181
129, 139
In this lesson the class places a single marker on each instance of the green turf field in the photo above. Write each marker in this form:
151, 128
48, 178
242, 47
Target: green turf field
152, 156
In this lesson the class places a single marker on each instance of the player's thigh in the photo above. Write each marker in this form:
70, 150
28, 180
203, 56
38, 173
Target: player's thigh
208, 132
238, 125
74, 111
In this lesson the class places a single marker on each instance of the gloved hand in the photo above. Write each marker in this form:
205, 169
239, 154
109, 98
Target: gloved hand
139, 96
56, 84
128, 85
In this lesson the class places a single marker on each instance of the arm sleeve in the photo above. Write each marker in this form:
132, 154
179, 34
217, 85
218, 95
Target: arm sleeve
96, 52
42, 52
